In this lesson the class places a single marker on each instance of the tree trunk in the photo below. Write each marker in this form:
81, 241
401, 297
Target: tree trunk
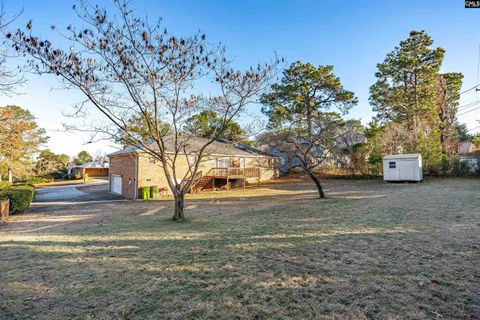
178, 214
318, 184
10, 175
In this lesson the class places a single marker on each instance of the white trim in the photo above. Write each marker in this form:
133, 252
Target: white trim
112, 184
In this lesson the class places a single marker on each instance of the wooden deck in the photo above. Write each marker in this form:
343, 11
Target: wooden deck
228, 174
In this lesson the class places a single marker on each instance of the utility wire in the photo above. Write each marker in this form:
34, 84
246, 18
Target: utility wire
461, 114
474, 87
468, 105
474, 128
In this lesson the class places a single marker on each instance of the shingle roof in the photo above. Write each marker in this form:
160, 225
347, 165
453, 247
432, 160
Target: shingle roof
93, 164
193, 144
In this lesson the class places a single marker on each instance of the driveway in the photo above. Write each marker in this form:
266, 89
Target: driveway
50, 198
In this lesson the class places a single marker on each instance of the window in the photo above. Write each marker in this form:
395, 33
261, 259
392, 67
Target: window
392, 164
191, 160
223, 162
242, 162
151, 160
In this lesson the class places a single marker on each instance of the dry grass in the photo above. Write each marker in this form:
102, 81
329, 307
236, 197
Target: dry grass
370, 251
68, 182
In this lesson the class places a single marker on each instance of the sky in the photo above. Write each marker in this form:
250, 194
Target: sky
353, 36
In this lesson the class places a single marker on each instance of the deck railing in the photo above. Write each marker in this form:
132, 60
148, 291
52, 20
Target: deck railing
196, 178
234, 172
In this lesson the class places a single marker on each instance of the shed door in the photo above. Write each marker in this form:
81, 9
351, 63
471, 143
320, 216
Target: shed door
406, 169
116, 184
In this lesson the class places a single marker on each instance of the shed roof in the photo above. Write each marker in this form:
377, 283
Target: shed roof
193, 144
402, 156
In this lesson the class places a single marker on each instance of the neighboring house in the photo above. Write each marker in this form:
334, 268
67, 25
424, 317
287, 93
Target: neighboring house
466, 147
92, 169
346, 144
225, 164
289, 157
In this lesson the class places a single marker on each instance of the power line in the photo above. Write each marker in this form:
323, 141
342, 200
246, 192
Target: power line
474, 87
461, 114
474, 128
466, 106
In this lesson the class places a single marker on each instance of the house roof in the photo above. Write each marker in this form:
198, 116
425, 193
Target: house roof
220, 147
402, 156
93, 164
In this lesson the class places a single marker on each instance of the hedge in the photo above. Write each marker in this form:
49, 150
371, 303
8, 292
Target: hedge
4, 184
20, 197
38, 179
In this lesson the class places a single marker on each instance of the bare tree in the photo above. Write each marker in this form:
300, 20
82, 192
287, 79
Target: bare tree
127, 67
9, 80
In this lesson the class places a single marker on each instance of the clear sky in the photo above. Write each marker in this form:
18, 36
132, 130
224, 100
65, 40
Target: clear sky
351, 35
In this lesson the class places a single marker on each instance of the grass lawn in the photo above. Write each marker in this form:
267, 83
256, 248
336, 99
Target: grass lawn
67, 182
369, 251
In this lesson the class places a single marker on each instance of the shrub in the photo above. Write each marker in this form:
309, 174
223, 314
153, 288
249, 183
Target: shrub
85, 178
445, 165
20, 196
461, 167
77, 176
4, 184
38, 179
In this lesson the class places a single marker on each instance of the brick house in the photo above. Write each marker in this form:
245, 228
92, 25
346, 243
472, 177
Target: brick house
92, 169
226, 165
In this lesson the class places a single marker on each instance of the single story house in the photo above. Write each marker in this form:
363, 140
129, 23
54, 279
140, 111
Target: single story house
225, 164
92, 169
466, 147
288, 153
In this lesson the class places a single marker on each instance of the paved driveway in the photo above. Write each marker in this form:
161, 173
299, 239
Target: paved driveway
50, 197
56, 208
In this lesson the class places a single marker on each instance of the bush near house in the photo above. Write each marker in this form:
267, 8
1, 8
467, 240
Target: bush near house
39, 179
20, 196
4, 184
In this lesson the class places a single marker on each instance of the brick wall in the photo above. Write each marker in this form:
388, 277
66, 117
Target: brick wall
125, 165
150, 171
97, 172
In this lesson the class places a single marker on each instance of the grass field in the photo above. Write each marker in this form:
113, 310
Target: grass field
369, 251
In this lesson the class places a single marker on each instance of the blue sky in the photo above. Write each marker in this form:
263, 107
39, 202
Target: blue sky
351, 35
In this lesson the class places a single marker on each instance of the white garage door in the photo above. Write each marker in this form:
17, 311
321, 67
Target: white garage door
116, 184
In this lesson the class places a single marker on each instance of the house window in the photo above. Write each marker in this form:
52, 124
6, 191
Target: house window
242, 162
223, 162
392, 164
151, 160
192, 160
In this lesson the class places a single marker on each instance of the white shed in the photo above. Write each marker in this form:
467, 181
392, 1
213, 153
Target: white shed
402, 167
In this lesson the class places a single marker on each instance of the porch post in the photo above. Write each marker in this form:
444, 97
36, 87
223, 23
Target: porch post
258, 175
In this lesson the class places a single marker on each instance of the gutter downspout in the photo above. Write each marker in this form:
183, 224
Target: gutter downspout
136, 177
